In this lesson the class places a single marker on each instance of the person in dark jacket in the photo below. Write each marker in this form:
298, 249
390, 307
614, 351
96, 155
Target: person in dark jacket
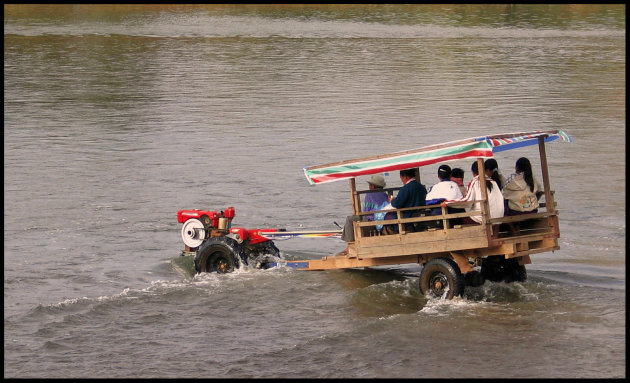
413, 193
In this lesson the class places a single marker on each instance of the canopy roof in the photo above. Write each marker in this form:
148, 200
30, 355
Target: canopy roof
483, 146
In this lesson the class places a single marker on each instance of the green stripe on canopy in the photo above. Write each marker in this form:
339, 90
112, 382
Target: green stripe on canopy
482, 146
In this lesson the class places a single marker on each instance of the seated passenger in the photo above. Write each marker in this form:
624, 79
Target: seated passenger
495, 198
457, 176
446, 188
492, 170
521, 190
413, 193
373, 201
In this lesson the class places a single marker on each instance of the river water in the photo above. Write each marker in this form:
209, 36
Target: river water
118, 116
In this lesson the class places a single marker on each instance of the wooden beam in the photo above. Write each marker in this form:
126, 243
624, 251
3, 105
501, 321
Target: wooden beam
462, 262
329, 263
550, 206
485, 214
354, 197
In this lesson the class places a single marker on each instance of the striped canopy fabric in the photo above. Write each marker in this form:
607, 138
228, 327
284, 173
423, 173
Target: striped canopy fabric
475, 147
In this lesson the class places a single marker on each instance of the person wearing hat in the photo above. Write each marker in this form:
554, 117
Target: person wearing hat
373, 201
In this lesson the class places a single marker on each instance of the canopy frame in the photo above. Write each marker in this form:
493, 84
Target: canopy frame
476, 147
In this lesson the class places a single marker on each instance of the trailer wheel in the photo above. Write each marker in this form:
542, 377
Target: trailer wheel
474, 278
498, 269
492, 269
441, 278
515, 272
220, 254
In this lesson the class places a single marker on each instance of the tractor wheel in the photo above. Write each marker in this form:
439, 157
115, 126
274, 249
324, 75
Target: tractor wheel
441, 278
220, 254
262, 254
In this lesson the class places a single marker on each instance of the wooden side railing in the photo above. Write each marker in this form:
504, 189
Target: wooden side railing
446, 217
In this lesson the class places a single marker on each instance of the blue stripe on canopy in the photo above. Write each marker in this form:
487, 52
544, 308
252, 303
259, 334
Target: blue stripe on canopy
521, 144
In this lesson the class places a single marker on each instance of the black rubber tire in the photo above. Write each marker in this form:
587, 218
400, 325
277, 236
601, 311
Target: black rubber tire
498, 269
492, 268
265, 248
219, 254
262, 254
441, 278
474, 279
516, 272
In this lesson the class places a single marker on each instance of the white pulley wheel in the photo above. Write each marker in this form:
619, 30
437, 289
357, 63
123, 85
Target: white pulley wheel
193, 232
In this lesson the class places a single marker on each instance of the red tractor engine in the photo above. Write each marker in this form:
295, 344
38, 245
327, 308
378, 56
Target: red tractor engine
217, 246
200, 225
208, 218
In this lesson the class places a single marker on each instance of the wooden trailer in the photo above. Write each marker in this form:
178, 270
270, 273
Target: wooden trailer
452, 255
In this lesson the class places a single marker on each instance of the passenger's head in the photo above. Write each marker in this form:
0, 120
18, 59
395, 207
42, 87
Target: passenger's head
491, 165
377, 181
492, 170
457, 173
408, 173
475, 171
444, 172
457, 176
524, 166
474, 168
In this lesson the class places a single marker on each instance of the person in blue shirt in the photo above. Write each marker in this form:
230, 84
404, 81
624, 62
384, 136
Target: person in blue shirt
373, 201
376, 200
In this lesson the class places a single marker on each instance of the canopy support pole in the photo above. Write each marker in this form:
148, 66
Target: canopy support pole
545, 174
356, 203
